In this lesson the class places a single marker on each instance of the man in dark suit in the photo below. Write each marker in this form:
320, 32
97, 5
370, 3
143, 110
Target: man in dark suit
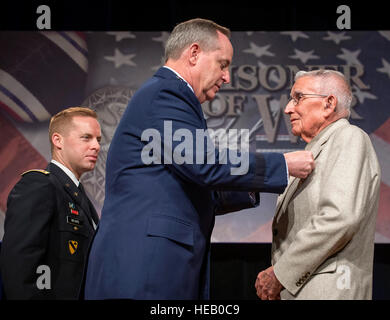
50, 222
154, 236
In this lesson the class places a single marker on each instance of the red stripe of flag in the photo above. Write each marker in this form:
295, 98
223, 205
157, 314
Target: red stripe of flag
383, 219
81, 34
384, 131
17, 155
10, 111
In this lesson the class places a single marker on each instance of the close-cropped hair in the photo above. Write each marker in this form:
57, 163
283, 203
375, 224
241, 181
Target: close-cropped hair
197, 30
332, 82
61, 121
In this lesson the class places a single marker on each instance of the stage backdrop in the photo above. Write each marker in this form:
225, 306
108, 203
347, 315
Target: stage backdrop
42, 73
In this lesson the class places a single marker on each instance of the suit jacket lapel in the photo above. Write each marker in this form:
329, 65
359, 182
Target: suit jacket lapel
291, 188
295, 183
315, 146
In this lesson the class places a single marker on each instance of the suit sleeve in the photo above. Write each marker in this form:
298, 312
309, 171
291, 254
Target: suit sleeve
346, 179
26, 234
231, 201
205, 164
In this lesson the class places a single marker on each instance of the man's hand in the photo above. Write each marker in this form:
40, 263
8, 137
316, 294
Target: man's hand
300, 163
267, 285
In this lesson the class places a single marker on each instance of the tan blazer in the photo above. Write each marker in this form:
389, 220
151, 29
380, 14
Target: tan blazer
324, 225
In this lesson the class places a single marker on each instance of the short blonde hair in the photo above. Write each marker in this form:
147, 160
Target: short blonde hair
61, 121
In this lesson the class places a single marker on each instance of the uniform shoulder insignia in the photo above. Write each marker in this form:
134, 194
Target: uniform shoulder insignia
36, 170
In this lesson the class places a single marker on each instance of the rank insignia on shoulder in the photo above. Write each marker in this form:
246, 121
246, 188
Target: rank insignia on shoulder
36, 170
72, 245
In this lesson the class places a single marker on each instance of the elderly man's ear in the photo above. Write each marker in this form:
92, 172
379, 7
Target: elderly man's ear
330, 106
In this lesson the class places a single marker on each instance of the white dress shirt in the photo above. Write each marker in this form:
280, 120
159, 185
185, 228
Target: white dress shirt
67, 171
175, 72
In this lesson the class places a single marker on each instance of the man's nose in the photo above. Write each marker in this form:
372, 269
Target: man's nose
226, 76
289, 107
96, 145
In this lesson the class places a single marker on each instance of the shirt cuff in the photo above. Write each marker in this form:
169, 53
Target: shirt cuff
286, 170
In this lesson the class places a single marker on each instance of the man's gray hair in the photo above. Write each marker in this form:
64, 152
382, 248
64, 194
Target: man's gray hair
197, 30
332, 82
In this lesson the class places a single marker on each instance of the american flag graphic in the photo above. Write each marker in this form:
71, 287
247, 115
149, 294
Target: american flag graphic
44, 72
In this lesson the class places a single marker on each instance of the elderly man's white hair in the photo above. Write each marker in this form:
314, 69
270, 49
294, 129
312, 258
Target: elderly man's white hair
332, 82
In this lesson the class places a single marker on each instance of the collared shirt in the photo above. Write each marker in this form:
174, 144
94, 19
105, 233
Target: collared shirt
67, 171
175, 72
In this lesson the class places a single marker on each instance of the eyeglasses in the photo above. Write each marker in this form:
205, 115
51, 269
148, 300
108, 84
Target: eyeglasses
299, 96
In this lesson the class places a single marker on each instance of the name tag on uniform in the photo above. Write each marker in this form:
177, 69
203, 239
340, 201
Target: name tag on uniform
74, 221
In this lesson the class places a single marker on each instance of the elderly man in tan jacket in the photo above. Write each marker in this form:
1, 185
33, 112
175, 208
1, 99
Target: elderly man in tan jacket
324, 225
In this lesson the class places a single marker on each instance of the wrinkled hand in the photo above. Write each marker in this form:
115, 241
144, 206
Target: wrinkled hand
267, 285
300, 163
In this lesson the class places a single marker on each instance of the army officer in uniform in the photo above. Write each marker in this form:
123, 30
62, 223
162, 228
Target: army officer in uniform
50, 222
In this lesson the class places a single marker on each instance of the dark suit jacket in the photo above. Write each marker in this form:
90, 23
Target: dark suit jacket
154, 235
41, 229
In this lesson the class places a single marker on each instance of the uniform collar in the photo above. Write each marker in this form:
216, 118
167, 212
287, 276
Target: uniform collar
67, 171
177, 74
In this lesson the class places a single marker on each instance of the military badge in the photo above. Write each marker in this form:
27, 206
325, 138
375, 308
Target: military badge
72, 244
74, 221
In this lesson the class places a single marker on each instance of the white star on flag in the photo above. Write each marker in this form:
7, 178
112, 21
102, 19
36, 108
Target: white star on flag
336, 37
119, 59
385, 34
304, 56
163, 38
162, 62
350, 56
120, 35
361, 95
259, 51
295, 35
385, 68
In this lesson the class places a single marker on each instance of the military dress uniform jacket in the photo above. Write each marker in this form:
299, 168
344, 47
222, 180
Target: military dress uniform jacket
48, 226
153, 240
324, 227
